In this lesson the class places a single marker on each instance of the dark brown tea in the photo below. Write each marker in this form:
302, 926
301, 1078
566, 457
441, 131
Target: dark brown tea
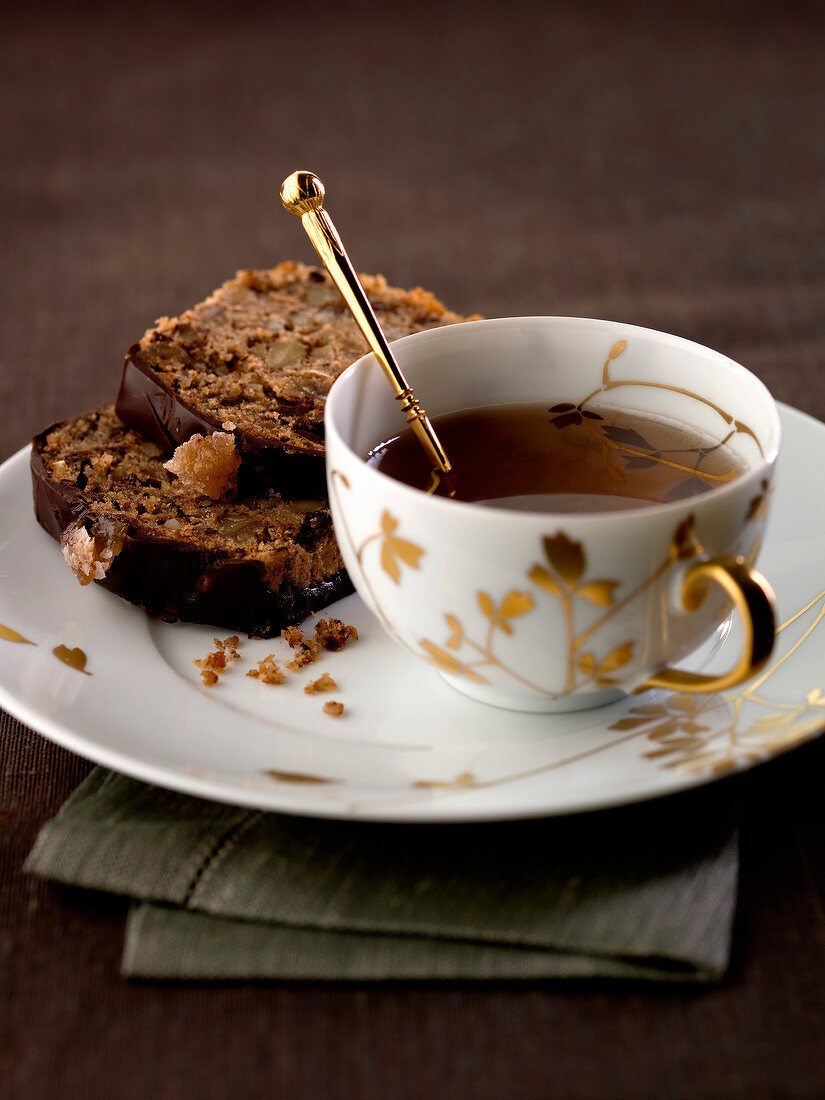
562, 459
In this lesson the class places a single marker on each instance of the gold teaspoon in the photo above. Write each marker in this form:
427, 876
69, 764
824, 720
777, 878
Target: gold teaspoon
302, 194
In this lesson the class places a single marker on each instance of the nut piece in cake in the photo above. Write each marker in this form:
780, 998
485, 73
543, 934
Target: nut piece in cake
207, 463
89, 556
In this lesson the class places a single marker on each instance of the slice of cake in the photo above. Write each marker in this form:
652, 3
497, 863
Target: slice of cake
124, 520
256, 360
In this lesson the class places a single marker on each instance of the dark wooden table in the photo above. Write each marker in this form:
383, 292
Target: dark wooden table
658, 165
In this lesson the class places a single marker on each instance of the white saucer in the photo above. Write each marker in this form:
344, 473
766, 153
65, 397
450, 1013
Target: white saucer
408, 747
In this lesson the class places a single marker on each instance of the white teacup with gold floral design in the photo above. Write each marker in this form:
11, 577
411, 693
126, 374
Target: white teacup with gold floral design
552, 612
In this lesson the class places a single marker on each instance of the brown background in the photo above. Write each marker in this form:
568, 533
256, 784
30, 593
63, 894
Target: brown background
640, 162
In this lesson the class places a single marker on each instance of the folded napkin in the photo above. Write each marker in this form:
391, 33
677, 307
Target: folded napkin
646, 892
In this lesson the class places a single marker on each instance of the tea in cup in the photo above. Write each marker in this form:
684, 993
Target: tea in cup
607, 506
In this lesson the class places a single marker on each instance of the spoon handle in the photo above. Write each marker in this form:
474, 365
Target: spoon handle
302, 194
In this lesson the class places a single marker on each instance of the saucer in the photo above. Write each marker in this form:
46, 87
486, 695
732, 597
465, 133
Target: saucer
101, 678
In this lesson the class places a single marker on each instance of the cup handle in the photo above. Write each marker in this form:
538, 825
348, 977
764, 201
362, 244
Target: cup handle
752, 597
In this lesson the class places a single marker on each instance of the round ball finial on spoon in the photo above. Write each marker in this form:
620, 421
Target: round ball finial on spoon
302, 194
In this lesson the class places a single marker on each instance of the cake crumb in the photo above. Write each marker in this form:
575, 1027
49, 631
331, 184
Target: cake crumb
90, 556
307, 649
268, 671
214, 664
333, 709
229, 646
229, 425
292, 636
323, 683
208, 464
215, 661
333, 634
305, 656
330, 634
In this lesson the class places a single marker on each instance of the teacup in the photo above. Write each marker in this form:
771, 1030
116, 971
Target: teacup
557, 612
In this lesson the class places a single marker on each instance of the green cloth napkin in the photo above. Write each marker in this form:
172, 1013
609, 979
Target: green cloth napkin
226, 893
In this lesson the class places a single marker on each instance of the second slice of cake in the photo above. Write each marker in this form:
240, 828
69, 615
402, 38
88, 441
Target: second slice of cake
256, 361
